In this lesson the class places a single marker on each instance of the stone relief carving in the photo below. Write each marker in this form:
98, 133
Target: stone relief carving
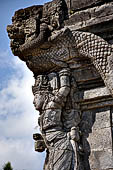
42, 44
60, 140
40, 37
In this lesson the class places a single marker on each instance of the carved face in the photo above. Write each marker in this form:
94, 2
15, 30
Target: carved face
39, 100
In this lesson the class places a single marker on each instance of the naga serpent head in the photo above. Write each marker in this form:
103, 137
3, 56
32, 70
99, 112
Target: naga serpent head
33, 22
40, 37
30, 31
24, 27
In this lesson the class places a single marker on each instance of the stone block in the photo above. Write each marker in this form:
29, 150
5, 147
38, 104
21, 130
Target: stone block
101, 160
86, 73
91, 104
91, 16
97, 92
95, 120
76, 4
100, 139
102, 120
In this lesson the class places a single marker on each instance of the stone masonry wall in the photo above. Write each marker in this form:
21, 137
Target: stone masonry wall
96, 105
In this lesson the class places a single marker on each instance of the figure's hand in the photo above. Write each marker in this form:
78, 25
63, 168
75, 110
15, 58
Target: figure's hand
75, 134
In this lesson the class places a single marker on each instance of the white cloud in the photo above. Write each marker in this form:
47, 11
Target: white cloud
20, 154
18, 119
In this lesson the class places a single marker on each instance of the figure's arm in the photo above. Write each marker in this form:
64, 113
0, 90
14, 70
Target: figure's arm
64, 90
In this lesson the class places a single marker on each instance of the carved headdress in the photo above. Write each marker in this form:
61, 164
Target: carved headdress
41, 85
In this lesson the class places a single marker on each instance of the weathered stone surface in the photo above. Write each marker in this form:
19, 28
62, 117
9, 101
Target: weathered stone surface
100, 139
41, 58
101, 160
95, 120
102, 121
91, 16
97, 138
75, 5
51, 105
73, 71
97, 92
88, 105
86, 73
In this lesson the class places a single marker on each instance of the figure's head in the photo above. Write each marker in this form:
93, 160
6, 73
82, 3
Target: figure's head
41, 91
39, 99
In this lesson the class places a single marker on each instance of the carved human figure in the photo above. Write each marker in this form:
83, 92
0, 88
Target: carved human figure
60, 152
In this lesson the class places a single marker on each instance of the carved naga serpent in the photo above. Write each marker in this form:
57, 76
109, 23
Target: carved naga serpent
100, 53
54, 47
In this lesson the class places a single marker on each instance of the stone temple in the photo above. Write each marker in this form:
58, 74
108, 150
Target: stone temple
67, 44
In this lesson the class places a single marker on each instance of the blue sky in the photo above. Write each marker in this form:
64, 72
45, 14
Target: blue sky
18, 117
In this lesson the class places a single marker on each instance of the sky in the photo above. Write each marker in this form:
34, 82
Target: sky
18, 118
